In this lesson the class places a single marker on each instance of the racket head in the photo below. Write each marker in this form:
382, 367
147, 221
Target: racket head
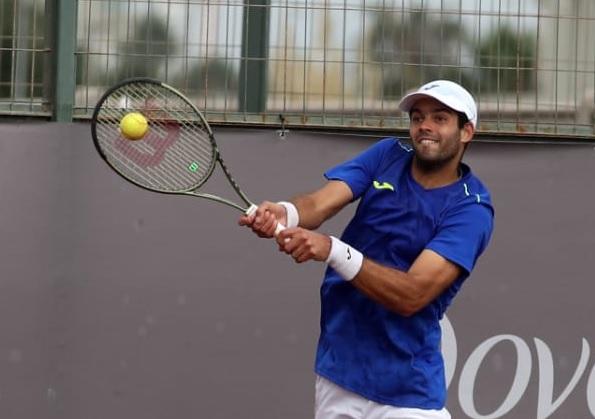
177, 154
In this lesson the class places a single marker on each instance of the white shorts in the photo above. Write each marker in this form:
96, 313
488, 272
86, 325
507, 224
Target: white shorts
334, 402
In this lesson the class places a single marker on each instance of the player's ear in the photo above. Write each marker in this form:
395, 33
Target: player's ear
467, 132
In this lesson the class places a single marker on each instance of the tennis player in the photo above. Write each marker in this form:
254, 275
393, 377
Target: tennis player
422, 221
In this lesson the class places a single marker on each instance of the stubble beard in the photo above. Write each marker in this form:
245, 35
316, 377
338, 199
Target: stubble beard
445, 157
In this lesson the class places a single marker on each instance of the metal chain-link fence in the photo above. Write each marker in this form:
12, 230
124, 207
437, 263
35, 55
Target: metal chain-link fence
322, 63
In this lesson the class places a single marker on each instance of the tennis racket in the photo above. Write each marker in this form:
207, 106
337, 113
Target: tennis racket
178, 153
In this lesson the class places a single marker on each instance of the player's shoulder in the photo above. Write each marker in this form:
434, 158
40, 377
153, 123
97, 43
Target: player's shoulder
384, 153
392, 149
394, 144
470, 203
473, 192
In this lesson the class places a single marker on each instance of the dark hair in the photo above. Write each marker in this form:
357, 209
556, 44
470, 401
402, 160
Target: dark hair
462, 119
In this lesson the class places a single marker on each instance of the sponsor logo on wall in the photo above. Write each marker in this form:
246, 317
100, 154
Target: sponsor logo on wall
466, 371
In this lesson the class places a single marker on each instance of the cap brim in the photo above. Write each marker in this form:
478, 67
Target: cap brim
407, 102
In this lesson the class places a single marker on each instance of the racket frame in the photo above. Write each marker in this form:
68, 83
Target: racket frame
192, 191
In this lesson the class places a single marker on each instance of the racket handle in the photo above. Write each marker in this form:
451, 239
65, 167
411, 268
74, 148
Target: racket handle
278, 229
251, 210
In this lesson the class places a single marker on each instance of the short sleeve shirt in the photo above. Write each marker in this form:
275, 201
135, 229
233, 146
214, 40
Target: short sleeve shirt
363, 346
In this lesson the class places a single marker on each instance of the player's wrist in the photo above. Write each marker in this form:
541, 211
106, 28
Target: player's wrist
344, 259
292, 216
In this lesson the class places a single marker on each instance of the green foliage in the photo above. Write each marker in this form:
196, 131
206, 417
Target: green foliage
24, 59
507, 61
145, 53
214, 75
417, 47
6, 33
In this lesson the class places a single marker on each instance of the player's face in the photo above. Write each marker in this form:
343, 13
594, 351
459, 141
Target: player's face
435, 133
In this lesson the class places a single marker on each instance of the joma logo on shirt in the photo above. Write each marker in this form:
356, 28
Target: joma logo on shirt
383, 185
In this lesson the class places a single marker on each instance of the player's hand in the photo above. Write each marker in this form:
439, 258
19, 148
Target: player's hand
264, 220
304, 245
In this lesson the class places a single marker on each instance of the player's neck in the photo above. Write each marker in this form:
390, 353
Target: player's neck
436, 176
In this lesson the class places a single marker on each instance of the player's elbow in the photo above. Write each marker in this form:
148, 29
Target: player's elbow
411, 304
409, 309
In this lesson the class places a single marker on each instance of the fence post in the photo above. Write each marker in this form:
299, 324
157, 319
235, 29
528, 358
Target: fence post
62, 15
253, 68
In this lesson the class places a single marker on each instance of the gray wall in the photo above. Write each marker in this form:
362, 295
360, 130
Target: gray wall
119, 303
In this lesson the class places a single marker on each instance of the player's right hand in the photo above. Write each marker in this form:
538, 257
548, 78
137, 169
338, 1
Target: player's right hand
264, 220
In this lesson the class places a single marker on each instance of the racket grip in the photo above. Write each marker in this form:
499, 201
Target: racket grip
252, 209
279, 228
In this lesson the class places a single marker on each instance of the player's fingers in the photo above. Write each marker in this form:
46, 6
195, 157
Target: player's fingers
305, 251
300, 254
284, 238
260, 218
265, 233
245, 220
263, 225
286, 242
259, 214
269, 223
263, 209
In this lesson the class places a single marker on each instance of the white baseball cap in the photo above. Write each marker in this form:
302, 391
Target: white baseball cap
447, 92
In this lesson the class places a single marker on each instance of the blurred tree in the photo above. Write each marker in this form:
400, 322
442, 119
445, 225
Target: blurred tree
417, 47
146, 52
21, 64
507, 61
215, 77
6, 34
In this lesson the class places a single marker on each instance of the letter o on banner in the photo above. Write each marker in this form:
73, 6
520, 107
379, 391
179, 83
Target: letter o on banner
449, 349
591, 392
469, 373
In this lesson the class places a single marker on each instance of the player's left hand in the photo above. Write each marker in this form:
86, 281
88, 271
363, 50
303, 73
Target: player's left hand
304, 245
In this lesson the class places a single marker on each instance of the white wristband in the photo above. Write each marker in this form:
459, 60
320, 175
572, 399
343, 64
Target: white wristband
293, 218
344, 259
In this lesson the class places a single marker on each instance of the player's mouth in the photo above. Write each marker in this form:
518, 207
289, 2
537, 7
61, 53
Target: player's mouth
427, 141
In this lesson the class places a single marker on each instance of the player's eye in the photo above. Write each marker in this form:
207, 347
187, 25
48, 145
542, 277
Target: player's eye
440, 118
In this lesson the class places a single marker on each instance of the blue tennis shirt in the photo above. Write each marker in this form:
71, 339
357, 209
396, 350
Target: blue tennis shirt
364, 347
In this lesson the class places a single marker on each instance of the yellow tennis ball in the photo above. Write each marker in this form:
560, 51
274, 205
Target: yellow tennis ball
134, 126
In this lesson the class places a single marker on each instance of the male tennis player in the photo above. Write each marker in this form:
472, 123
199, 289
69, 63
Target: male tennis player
422, 221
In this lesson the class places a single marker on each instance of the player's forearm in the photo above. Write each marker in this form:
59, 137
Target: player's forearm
311, 214
394, 289
317, 207
399, 291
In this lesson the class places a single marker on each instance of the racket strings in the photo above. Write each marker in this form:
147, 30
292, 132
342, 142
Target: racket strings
177, 154
137, 168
